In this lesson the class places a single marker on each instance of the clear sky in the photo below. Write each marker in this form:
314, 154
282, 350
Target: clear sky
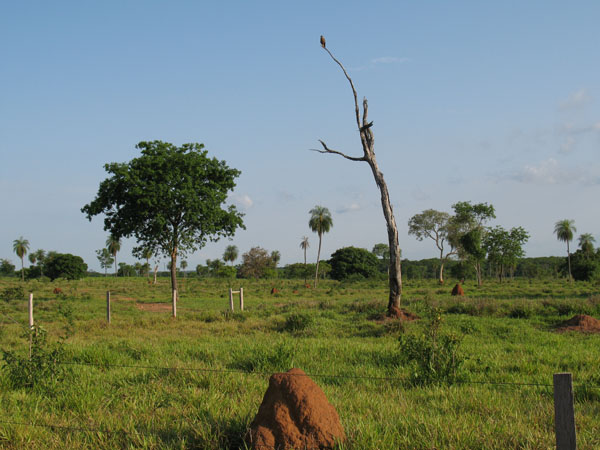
494, 102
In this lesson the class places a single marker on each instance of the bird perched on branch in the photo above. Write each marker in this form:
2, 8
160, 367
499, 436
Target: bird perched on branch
322, 42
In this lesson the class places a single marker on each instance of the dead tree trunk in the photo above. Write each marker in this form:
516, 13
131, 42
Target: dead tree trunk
367, 141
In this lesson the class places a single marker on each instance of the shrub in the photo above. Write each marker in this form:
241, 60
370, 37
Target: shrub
297, 322
357, 263
12, 293
43, 366
434, 357
65, 265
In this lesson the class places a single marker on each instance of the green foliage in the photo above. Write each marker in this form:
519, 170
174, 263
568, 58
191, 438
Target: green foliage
353, 261
585, 267
504, 248
276, 358
7, 269
170, 199
42, 369
434, 356
257, 263
298, 322
12, 293
65, 265
105, 258
298, 271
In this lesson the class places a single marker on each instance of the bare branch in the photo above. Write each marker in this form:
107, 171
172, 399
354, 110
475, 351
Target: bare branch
351, 85
335, 152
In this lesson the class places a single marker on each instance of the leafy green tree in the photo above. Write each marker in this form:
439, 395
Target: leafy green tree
276, 257
468, 232
113, 244
320, 222
105, 259
304, 244
170, 198
7, 269
437, 226
183, 264
65, 265
40, 258
230, 254
564, 230
257, 263
586, 244
21, 246
353, 262
585, 267
217, 269
504, 248
126, 270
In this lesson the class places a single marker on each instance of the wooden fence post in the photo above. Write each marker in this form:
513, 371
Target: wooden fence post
175, 303
108, 306
564, 415
231, 298
30, 308
241, 299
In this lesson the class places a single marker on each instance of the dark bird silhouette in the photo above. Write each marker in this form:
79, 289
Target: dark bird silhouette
322, 42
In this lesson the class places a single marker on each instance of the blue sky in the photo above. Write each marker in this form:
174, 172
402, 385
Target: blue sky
494, 102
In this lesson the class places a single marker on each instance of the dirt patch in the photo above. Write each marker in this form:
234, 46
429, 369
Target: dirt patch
395, 314
156, 307
582, 323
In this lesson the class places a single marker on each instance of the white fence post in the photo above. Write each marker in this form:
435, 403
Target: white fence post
175, 303
564, 414
30, 307
241, 299
108, 306
231, 299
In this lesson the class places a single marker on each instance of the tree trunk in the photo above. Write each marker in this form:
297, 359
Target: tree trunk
318, 256
569, 261
174, 272
305, 266
23, 270
155, 272
367, 141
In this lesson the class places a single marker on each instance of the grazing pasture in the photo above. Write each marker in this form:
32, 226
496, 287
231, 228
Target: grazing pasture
150, 381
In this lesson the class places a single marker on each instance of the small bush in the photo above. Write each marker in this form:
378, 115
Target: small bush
13, 293
41, 369
434, 357
520, 312
278, 358
298, 322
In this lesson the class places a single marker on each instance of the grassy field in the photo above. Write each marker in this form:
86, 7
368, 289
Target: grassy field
150, 381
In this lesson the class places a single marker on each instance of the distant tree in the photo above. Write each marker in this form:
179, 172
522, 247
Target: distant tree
126, 270
351, 261
59, 265
113, 244
170, 199
585, 266
564, 230
586, 244
435, 225
147, 253
320, 222
183, 264
217, 269
304, 244
105, 258
40, 257
257, 263
7, 269
468, 221
382, 252
504, 248
230, 254
276, 257
21, 246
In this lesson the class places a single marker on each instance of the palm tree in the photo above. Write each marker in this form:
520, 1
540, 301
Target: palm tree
113, 244
183, 264
564, 230
320, 222
147, 254
230, 254
40, 256
586, 244
20, 246
304, 245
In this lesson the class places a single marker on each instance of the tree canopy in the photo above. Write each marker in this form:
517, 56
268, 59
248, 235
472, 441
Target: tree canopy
170, 199
352, 261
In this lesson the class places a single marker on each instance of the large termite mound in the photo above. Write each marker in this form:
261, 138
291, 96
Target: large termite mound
581, 322
295, 414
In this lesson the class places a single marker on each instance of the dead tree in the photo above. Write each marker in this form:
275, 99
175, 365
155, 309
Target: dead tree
367, 141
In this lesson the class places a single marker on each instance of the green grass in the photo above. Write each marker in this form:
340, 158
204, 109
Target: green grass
125, 381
